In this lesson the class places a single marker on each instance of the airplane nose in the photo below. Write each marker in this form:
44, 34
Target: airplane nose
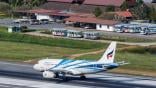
37, 67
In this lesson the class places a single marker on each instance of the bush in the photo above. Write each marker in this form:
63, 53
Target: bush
4, 7
108, 16
110, 9
97, 12
141, 50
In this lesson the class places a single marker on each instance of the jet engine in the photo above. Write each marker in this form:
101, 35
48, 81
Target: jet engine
48, 74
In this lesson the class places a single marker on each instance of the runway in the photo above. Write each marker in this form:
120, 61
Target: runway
13, 75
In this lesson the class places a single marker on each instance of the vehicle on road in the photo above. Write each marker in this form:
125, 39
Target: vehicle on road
22, 20
44, 21
35, 22
127, 28
148, 30
60, 68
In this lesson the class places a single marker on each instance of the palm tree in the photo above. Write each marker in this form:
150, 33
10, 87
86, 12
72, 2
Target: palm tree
34, 3
14, 4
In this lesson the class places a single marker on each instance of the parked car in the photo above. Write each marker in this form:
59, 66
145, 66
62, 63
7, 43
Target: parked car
148, 30
88, 27
35, 22
21, 21
44, 21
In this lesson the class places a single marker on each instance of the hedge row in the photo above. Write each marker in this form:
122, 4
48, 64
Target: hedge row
141, 50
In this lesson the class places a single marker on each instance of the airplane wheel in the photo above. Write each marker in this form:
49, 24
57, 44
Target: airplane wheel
82, 77
65, 79
56, 75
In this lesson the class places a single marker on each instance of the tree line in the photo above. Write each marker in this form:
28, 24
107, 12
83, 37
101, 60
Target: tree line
31, 3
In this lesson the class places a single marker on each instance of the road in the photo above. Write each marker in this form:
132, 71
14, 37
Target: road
13, 74
9, 22
102, 41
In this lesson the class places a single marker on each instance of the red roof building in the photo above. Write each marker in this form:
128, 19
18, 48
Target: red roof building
64, 1
92, 23
117, 3
124, 14
86, 6
39, 11
91, 20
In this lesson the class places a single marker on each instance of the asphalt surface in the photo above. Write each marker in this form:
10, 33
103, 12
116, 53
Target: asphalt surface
25, 75
10, 22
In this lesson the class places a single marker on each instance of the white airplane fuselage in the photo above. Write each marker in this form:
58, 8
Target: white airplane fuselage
73, 67
55, 68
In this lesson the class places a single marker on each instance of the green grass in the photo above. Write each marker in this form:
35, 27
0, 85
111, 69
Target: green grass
17, 46
57, 42
3, 29
144, 62
3, 15
21, 51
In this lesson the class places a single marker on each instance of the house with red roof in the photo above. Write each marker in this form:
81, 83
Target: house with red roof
51, 15
87, 6
123, 15
92, 22
65, 1
116, 3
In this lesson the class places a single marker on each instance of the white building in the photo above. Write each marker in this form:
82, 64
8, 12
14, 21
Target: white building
92, 22
104, 27
43, 16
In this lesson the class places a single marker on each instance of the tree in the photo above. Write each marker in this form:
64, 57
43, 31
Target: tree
140, 2
14, 4
108, 16
152, 14
110, 9
124, 6
140, 10
4, 1
34, 3
4, 7
97, 12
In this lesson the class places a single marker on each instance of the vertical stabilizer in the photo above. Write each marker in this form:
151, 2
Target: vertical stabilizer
108, 56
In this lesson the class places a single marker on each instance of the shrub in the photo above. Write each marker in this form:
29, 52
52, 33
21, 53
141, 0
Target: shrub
141, 50
110, 9
4, 7
97, 12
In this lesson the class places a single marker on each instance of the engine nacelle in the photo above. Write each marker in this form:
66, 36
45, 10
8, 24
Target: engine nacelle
48, 74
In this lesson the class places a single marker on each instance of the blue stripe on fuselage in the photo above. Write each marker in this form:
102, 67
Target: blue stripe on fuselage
92, 66
82, 62
64, 61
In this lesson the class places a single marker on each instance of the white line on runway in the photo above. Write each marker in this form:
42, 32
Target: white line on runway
16, 64
126, 79
37, 84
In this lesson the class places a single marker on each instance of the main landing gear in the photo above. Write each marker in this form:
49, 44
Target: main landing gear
83, 77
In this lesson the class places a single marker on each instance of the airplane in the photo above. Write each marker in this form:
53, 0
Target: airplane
60, 68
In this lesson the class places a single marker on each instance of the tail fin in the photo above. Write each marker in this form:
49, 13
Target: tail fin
108, 56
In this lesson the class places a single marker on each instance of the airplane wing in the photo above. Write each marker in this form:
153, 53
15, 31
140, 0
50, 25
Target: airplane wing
68, 66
